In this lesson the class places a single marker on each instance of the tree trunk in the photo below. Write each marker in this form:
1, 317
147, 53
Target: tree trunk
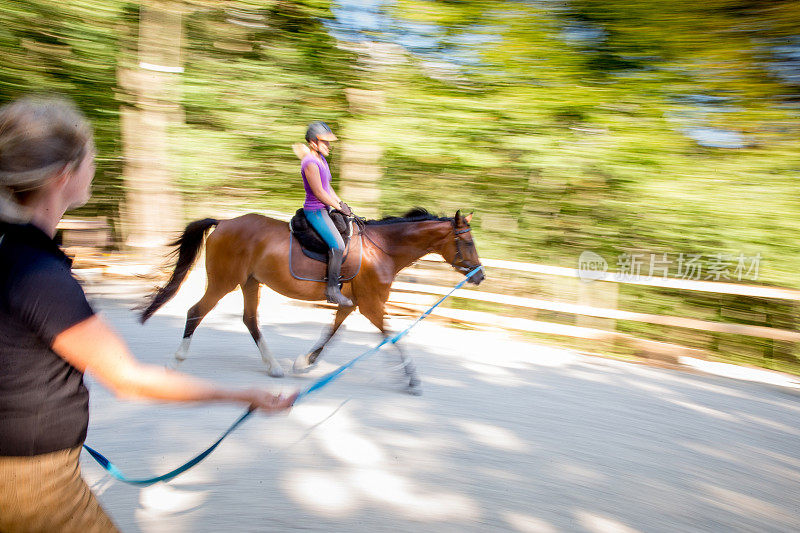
152, 214
361, 171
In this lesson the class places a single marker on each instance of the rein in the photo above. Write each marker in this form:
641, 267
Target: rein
375, 244
456, 232
325, 380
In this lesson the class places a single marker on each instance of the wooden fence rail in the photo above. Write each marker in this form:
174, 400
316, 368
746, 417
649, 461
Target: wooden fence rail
402, 290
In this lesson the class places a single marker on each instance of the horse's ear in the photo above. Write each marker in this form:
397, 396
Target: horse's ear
468, 218
458, 216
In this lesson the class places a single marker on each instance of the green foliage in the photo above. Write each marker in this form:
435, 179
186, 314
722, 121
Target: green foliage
69, 48
563, 145
248, 93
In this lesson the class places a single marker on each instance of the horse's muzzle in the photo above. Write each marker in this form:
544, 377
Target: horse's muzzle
476, 278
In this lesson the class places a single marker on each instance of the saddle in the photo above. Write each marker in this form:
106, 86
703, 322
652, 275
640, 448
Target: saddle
308, 253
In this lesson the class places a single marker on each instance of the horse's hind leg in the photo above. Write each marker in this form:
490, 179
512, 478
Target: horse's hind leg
250, 290
375, 315
196, 313
306, 362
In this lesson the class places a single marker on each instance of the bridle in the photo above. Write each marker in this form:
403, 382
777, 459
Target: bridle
459, 261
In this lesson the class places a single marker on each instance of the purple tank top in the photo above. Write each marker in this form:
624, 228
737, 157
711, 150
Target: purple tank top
312, 202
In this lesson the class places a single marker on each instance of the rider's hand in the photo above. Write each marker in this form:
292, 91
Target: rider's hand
344, 208
270, 403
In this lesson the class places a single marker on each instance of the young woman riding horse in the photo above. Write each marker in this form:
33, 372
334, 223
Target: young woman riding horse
320, 197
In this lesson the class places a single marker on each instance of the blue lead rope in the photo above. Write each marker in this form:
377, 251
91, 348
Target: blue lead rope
114, 471
317, 385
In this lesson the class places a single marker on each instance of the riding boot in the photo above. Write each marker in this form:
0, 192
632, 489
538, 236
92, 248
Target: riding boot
332, 291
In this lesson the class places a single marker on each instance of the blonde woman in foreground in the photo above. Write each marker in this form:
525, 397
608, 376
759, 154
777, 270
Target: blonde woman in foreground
49, 334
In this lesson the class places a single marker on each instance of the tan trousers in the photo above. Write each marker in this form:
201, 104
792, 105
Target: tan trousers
46, 493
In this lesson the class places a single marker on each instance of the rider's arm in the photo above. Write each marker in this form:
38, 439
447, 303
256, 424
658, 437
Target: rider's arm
91, 345
315, 183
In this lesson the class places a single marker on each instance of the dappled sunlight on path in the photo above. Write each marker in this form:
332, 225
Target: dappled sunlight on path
508, 436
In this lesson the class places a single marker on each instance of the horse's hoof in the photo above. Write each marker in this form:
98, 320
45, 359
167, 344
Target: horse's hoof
414, 390
275, 371
174, 363
302, 366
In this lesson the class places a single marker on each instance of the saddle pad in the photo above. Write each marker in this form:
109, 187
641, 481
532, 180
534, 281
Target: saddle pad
307, 269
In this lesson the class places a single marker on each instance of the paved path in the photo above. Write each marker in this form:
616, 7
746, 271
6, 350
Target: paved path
508, 436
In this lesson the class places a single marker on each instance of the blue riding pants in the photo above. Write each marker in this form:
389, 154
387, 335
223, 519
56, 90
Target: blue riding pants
321, 221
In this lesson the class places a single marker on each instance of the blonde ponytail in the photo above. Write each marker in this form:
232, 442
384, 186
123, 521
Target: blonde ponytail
300, 150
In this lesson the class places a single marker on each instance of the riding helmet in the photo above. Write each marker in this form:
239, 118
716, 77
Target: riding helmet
318, 130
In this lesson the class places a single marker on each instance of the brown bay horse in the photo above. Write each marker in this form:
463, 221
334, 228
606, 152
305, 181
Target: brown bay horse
252, 249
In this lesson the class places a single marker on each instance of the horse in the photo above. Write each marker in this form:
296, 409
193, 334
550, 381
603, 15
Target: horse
252, 249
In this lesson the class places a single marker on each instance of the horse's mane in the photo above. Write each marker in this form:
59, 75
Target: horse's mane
416, 214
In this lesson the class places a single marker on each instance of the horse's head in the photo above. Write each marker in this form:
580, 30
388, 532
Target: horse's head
461, 252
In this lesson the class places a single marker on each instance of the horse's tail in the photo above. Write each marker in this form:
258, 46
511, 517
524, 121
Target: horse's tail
188, 247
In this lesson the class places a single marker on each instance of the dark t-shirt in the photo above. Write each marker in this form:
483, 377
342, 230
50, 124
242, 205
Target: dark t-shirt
44, 405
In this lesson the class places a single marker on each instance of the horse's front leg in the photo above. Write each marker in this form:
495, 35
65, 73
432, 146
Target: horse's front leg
375, 311
306, 362
410, 369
